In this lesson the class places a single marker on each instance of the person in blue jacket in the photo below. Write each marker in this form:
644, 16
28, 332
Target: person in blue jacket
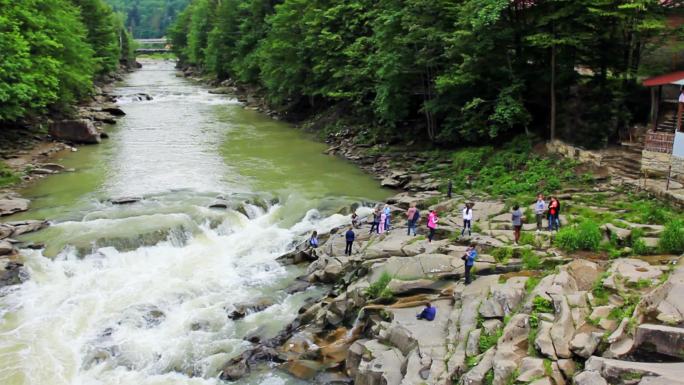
469, 258
313, 241
428, 313
349, 236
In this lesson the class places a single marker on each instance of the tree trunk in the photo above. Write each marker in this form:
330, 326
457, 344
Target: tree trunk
552, 135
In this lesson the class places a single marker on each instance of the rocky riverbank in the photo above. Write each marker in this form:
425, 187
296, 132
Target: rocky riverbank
29, 152
534, 314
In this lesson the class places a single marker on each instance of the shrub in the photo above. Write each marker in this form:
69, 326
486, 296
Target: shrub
489, 340
599, 291
379, 289
531, 283
585, 236
527, 238
672, 239
542, 305
530, 260
639, 247
502, 254
7, 176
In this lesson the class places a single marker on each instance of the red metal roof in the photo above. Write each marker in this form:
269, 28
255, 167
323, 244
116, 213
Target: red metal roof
672, 78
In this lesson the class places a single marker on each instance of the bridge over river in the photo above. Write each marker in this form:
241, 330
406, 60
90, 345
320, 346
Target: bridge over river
152, 46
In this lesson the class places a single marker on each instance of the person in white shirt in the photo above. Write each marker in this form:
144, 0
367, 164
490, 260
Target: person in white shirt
467, 219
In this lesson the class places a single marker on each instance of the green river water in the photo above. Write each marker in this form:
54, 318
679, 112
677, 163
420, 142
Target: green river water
138, 294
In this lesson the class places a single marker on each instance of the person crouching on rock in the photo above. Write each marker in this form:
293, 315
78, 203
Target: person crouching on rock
432, 224
349, 236
428, 313
469, 258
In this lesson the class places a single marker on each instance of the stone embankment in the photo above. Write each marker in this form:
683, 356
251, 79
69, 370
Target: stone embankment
578, 319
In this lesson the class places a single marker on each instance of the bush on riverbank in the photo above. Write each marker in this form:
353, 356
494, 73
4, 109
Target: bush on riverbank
585, 236
672, 239
7, 176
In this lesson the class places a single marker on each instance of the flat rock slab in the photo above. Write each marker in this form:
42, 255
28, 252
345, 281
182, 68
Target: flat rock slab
15, 205
615, 370
661, 339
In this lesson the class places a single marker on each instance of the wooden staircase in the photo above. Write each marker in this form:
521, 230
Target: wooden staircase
668, 125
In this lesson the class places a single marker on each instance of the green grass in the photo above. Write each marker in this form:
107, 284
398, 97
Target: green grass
502, 254
531, 283
599, 291
488, 340
528, 238
542, 305
7, 176
584, 236
530, 260
158, 56
379, 289
672, 239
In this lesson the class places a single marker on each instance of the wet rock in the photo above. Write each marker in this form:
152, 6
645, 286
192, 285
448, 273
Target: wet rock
77, 131
6, 248
5, 231
241, 365
220, 204
52, 167
660, 339
41, 171
125, 200
10, 206
303, 369
114, 110
242, 309
391, 183
13, 274
332, 378
297, 286
24, 227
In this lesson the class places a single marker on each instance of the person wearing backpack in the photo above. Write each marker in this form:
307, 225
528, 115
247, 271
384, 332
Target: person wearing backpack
467, 219
375, 225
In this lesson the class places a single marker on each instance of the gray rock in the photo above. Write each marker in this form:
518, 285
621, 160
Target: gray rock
585, 344
476, 375
29, 226
530, 368
661, 339
78, 131
6, 248
563, 328
381, 365
473, 344
543, 341
509, 349
614, 371
125, 200
589, 378
10, 206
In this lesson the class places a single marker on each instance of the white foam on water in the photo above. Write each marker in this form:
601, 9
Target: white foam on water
154, 315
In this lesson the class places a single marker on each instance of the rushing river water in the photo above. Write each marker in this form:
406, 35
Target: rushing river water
139, 294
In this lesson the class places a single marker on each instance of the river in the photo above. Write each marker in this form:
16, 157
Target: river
139, 294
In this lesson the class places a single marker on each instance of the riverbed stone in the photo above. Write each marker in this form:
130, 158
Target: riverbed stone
77, 131
9, 206
23, 227
6, 248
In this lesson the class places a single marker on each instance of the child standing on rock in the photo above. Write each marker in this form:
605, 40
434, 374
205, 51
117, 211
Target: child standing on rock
432, 224
388, 213
539, 210
467, 219
554, 209
381, 224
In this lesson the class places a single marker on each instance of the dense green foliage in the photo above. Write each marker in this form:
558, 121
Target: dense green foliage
51, 50
7, 176
584, 236
447, 71
672, 239
148, 18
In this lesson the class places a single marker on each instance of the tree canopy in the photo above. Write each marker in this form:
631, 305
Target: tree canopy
447, 71
51, 50
148, 18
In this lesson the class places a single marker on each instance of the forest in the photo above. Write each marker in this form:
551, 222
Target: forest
146, 19
441, 71
51, 52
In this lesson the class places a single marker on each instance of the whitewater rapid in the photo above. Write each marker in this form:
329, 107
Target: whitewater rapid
140, 294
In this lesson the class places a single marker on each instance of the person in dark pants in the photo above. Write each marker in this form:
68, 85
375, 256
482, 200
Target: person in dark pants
517, 222
376, 221
428, 313
432, 224
349, 236
469, 258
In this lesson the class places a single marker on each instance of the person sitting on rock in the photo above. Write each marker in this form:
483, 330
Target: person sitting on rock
313, 241
428, 313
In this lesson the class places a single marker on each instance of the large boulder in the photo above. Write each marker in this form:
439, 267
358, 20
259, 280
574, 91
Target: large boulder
29, 226
78, 131
10, 206
6, 248
563, 328
660, 339
379, 364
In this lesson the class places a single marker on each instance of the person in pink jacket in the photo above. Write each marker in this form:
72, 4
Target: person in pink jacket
381, 225
432, 224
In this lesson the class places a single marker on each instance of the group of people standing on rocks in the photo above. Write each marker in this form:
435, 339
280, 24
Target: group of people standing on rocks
381, 223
